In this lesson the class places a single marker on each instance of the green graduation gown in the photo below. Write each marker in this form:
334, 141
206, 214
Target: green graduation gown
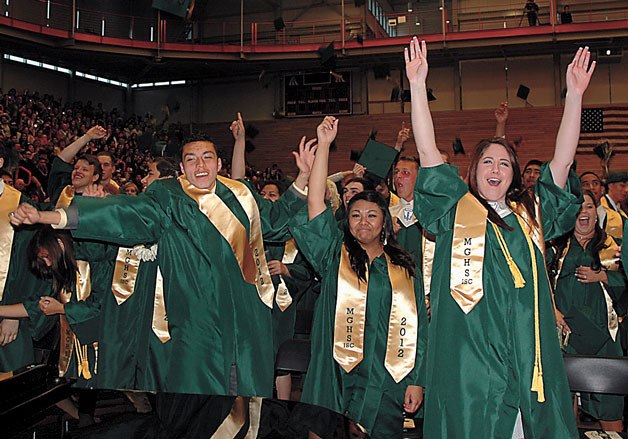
84, 315
20, 285
589, 299
215, 318
480, 364
299, 284
367, 394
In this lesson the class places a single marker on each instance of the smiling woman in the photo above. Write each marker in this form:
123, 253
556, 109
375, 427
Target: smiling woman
494, 356
370, 324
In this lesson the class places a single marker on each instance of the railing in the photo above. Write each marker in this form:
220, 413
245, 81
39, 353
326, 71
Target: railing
475, 16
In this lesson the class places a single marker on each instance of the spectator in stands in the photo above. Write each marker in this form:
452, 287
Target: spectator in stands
7, 178
107, 163
531, 9
130, 188
565, 16
531, 173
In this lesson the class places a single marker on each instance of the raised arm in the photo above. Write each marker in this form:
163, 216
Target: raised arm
501, 117
422, 126
69, 152
325, 133
238, 160
578, 76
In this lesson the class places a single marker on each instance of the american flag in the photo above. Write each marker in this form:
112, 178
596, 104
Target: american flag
604, 124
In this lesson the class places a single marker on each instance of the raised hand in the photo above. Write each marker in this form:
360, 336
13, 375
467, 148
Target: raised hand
237, 129
416, 61
305, 157
327, 130
96, 132
24, 214
358, 170
579, 72
501, 113
94, 191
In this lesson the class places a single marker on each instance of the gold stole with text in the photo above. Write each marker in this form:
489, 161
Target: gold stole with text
9, 202
467, 261
350, 319
247, 249
282, 297
68, 340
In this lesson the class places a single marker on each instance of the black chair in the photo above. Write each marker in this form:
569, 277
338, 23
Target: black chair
597, 374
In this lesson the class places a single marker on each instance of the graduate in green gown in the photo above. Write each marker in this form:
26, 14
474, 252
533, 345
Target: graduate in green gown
17, 282
77, 291
215, 304
588, 283
493, 354
370, 324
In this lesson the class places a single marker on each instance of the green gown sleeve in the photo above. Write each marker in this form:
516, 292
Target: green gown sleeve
436, 194
123, 219
101, 260
275, 216
317, 238
559, 207
616, 286
59, 177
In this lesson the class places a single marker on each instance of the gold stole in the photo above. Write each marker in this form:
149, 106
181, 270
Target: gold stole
427, 261
467, 262
610, 263
124, 274
467, 253
9, 202
66, 197
160, 318
614, 223
350, 320
283, 298
242, 408
248, 250
68, 340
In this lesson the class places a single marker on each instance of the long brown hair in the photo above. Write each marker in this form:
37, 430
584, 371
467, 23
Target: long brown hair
63, 269
516, 191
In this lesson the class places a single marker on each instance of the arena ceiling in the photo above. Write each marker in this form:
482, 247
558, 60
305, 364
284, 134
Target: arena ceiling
132, 65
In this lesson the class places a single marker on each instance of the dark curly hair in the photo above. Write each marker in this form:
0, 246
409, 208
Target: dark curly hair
357, 255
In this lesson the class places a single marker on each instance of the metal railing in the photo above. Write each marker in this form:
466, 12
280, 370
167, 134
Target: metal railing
497, 15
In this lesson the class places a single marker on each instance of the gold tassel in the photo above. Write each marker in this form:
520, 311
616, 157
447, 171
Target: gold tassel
82, 360
517, 277
537, 374
537, 382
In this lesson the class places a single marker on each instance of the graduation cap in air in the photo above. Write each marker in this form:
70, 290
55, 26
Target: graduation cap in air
457, 146
603, 150
377, 158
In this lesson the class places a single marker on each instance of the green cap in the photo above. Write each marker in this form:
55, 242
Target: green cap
378, 158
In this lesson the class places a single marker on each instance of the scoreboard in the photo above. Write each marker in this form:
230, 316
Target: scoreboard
313, 94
